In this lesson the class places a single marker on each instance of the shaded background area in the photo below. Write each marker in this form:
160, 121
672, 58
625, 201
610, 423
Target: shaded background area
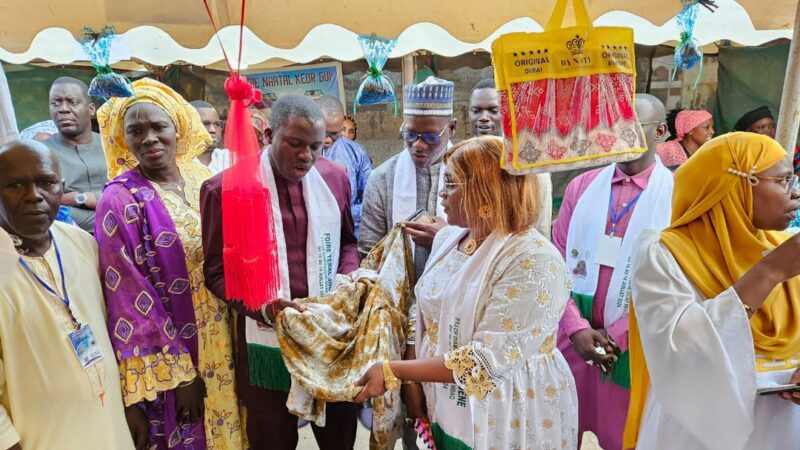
732, 82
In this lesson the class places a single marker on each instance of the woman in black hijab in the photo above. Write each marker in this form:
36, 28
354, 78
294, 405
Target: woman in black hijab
759, 121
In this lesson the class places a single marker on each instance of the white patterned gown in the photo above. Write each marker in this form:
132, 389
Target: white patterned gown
513, 389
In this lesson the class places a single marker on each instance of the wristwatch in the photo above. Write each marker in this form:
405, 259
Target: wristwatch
390, 380
80, 199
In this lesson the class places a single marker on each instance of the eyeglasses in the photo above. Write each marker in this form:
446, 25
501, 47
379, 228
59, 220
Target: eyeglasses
449, 184
429, 138
790, 181
655, 122
333, 134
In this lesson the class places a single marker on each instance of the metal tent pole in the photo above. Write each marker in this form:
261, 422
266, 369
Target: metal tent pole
408, 69
789, 120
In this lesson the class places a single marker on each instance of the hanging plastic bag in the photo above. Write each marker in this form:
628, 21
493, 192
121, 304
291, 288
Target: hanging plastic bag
376, 88
567, 95
688, 53
106, 84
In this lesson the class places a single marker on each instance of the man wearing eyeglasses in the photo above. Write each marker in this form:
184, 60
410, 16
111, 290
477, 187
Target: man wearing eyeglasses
407, 183
215, 158
345, 152
410, 181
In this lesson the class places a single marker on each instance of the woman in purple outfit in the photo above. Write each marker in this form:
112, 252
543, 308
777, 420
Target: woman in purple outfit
170, 334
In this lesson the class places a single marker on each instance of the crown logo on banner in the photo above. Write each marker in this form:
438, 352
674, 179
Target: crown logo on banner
575, 46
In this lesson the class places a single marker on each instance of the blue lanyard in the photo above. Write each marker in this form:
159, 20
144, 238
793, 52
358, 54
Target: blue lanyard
615, 218
44, 284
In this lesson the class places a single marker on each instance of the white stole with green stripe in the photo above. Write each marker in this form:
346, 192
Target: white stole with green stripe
322, 263
588, 224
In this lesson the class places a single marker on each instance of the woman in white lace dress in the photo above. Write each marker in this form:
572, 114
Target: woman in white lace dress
485, 369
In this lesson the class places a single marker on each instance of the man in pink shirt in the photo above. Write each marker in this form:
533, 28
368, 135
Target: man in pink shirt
603, 212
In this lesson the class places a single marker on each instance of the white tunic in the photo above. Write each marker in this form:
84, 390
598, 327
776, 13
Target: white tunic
700, 356
47, 400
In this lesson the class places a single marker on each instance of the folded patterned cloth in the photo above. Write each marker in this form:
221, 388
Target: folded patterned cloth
364, 320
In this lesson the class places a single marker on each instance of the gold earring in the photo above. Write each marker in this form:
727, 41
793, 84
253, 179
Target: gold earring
484, 212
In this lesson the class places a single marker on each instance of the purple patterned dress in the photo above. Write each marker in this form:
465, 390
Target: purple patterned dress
151, 319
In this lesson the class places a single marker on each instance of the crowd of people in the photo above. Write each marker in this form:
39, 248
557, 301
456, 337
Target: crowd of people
654, 311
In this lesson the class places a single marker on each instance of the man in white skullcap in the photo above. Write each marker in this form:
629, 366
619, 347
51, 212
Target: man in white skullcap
408, 182
411, 180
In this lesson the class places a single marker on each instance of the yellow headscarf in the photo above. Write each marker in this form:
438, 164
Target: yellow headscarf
714, 241
193, 137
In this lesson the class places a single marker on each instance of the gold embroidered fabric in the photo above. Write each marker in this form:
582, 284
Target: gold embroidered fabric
329, 347
145, 376
469, 373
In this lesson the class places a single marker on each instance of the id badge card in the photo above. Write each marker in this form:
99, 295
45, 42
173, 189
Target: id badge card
608, 249
85, 345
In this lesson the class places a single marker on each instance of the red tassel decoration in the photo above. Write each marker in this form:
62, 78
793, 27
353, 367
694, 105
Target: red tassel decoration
250, 250
249, 246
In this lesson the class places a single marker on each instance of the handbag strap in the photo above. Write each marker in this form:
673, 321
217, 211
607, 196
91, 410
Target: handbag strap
557, 17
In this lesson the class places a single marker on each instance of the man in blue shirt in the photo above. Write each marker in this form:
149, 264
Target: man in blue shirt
345, 152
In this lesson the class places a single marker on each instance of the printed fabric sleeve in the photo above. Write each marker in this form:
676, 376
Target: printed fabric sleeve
150, 360
519, 321
8, 433
143, 377
796, 159
373, 216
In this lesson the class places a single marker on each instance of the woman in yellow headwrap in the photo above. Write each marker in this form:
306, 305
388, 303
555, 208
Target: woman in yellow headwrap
717, 306
170, 334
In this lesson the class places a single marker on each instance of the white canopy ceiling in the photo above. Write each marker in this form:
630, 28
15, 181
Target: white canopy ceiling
154, 45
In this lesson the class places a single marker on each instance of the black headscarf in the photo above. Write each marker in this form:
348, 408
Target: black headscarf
751, 117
